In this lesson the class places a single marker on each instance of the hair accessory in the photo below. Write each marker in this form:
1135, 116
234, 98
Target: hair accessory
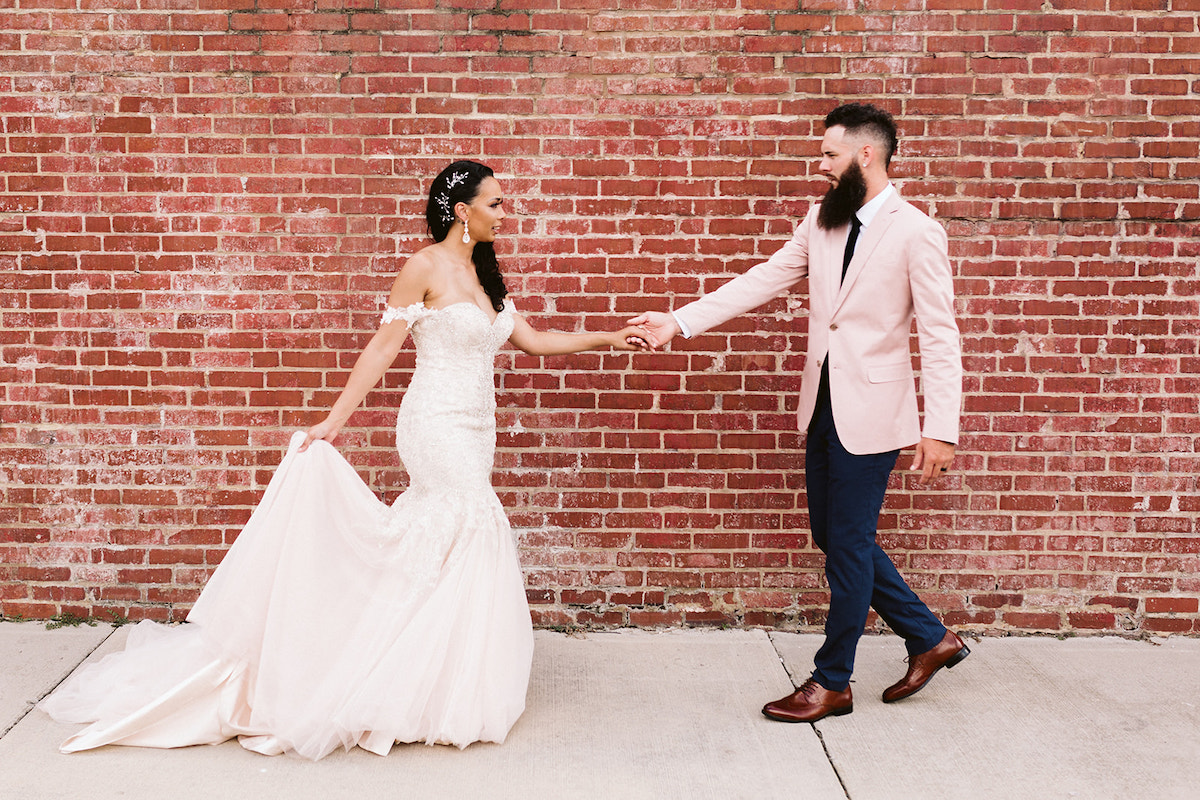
443, 199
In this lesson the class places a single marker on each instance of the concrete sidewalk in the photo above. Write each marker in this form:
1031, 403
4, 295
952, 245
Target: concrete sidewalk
675, 714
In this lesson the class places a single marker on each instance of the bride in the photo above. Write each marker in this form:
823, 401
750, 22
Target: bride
335, 620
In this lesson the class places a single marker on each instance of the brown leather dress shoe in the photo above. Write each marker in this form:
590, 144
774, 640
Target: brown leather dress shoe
921, 668
809, 703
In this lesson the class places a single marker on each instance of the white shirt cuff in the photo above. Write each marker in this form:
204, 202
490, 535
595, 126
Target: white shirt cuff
683, 328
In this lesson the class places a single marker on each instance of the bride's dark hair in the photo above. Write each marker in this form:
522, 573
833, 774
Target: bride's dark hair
459, 183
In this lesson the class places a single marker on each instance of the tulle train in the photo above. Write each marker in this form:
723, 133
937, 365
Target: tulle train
333, 621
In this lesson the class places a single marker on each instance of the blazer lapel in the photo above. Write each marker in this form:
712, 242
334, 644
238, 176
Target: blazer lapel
868, 240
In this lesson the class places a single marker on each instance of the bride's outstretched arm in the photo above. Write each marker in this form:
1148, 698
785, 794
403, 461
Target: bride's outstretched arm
374, 360
551, 343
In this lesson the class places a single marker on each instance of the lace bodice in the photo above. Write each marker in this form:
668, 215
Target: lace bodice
450, 403
459, 330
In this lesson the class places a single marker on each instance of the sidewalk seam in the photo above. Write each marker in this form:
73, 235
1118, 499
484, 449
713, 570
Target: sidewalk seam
816, 730
21, 717
783, 663
836, 773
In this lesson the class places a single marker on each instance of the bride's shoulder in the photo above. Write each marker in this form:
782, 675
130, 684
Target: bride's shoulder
406, 300
420, 263
415, 277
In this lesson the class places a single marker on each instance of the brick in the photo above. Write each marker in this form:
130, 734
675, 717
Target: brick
1032, 621
1166, 625
1172, 605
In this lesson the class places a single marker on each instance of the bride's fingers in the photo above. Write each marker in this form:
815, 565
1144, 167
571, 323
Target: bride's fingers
314, 433
638, 338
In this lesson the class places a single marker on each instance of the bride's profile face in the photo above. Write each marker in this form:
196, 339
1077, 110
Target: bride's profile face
485, 214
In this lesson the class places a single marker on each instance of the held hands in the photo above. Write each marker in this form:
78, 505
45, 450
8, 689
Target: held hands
933, 458
630, 338
656, 327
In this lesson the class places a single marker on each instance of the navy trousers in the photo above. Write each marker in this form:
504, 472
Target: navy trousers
845, 495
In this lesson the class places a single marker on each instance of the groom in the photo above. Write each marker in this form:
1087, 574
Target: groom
872, 262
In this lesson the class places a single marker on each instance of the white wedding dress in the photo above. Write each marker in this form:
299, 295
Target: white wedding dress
335, 620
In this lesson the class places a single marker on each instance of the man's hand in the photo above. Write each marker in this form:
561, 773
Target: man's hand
933, 459
629, 338
660, 327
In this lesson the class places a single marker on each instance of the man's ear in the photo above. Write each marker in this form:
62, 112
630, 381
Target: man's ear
868, 155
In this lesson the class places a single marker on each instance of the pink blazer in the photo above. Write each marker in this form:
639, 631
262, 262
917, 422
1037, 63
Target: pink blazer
900, 269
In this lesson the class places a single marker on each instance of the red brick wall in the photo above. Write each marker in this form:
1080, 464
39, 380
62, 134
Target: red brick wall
201, 209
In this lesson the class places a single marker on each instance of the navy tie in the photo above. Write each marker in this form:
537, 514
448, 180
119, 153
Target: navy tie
855, 227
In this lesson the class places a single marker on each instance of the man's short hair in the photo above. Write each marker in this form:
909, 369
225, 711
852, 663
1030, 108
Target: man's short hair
864, 118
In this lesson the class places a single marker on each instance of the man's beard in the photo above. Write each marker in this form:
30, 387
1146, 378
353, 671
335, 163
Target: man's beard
843, 199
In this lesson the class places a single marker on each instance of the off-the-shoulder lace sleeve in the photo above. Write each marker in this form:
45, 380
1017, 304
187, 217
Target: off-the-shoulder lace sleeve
409, 314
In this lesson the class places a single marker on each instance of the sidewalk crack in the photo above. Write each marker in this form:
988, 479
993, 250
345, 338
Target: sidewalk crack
786, 669
29, 709
829, 758
820, 737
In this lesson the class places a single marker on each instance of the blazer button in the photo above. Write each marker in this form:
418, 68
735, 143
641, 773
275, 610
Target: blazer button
833, 327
